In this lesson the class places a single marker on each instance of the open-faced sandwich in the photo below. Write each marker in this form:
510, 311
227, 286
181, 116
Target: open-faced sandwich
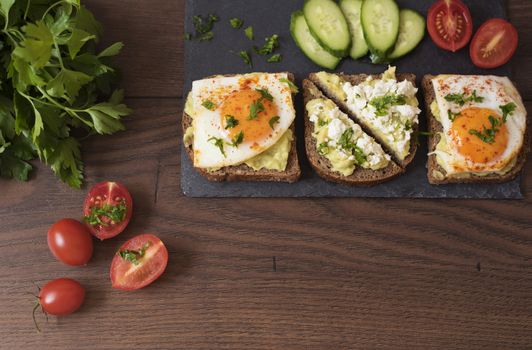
241, 128
478, 129
359, 128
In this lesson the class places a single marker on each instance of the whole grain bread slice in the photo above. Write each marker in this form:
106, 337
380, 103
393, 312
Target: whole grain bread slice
323, 167
242, 172
355, 80
435, 128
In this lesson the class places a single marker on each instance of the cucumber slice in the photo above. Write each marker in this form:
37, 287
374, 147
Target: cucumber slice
328, 25
351, 10
306, 42
380, 22
411, 32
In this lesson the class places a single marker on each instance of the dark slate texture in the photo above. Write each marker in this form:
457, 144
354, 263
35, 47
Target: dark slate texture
272, 17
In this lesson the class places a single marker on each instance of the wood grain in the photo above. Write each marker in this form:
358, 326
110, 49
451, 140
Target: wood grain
268, 273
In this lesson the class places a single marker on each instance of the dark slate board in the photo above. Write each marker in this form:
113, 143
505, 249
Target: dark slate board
268, 17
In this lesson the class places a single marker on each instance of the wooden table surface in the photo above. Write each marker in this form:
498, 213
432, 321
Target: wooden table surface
264, 273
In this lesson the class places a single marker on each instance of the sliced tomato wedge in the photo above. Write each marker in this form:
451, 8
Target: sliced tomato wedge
107, 209
138, 262
450, 24
494, 44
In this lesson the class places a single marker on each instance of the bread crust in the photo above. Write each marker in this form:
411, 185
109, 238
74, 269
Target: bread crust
358, 79
242, 172
322, 166
435, 128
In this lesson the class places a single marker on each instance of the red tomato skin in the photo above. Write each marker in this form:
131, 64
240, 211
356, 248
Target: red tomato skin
136, 243
103, 188
475, 48
61, 297
432, 27
70, 242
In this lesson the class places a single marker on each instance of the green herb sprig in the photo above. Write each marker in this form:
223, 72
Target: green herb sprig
462, 99
134, 256
507, 110
114, 213
53, 81
487, 135
383, 103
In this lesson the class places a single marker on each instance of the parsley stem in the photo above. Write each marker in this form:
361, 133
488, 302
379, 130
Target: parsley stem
59, 54
70, 111
54, 5
27, 9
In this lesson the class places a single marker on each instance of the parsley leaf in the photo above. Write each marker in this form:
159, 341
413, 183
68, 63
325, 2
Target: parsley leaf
462, 99
348, 145
236, 23
134, 256
275, 58
292, 86
265, 94
507, 110
245, 56
238, 139
272, 42
107, 214
249, 33
254, 110
452, 116
209, 105
230, 122
383, 103
487, 135
218, 142
273, 121
323, 149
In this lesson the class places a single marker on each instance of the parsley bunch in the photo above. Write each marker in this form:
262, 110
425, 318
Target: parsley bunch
52, 82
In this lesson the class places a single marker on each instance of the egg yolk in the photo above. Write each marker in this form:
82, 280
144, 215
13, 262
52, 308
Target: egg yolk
473, 147
237, 108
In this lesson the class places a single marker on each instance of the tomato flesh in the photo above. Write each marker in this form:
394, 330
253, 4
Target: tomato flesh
144, 269
494, 44
61, 297
107, 194
70, 242
450, 24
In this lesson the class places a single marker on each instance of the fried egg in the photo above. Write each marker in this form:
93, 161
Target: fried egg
238, 117
478, 136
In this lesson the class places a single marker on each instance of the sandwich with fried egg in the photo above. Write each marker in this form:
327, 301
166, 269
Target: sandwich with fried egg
478, 129
242, 128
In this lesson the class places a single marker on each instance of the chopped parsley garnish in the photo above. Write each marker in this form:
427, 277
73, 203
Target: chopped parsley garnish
292, 86
271, 43
452, 116
236, 23
349, 146
238, 139
408, 125
462, 99
230, 122
203, 27
383, 103
209, 105
255, 108
507, 110
114, 214
245, 56
273, 121
323, 149
249, 33
134, 256
425, 133
275, 58
488, 135
218, 143
322, 122
265, 94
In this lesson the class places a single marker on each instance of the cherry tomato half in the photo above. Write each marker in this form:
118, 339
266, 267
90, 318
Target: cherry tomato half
450, 24
138, 262
61, 297
70, 242
494, 44
107, 209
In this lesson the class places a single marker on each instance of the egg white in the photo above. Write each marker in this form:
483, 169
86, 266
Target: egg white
496, 91
208, 124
